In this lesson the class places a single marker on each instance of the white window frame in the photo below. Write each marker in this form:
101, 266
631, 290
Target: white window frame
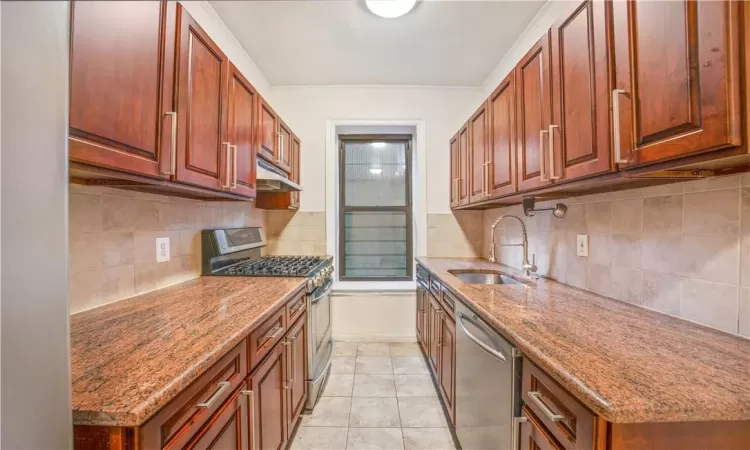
419, 198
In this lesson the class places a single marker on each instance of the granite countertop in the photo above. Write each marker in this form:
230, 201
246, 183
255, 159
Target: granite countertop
626, 363
130, 358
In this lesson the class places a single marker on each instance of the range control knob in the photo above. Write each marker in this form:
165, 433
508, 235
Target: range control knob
318, 281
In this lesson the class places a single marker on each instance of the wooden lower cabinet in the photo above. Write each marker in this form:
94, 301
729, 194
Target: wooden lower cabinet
447, 366
268, 415
296, 349
433, 345
421, 316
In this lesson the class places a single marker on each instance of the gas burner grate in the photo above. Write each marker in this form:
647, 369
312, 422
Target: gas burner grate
298, 266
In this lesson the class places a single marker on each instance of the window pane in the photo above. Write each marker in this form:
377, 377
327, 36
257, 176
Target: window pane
375, 173
375, 244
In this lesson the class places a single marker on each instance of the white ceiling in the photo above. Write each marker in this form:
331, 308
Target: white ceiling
339, 42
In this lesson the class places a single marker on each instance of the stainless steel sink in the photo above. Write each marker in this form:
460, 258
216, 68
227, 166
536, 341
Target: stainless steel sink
483, 277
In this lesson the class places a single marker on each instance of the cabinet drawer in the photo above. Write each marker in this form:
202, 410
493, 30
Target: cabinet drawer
423, 274
534, 436
263, 338
571, 423
435, 286
449, 303
296, 307
184, 416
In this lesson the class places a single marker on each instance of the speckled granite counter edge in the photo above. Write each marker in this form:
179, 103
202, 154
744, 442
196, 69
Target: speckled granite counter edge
141, 414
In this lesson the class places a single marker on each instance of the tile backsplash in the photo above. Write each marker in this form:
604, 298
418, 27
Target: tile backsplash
112, 241
458, 234
682, 249
296, 233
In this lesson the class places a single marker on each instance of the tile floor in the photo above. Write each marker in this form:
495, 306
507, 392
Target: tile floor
378, 396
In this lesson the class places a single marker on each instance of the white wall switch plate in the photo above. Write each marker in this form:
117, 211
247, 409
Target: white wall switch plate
162, 249
582, 245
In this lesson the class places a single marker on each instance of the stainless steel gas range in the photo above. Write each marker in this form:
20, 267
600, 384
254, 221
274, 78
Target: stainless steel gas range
237, 252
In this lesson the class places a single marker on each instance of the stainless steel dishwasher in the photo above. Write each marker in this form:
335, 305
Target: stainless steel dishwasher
488, 385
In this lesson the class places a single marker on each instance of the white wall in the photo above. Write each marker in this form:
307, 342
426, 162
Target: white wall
306, 109
209, 20
544, 19
374, 316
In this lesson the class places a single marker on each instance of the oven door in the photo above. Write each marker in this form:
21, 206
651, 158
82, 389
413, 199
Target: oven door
321, 345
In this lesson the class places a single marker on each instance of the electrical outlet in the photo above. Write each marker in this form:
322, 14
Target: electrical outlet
162, 249
582, 245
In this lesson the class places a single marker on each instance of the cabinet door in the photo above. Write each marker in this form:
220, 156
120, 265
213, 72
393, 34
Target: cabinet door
284, 156
434, 345
242, 119
677, 64
421, 312
121, 85
579, 132
501, 151
534, 436
296, 162
454, 170
478, 155
533, 103
268, 123
448, 362
227, 429
268, 422
296, 349
463, 165
202, 146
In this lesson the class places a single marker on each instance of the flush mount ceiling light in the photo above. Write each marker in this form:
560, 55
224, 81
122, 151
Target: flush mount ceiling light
390, 9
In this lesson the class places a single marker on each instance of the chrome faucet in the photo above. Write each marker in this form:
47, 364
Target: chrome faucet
527, 267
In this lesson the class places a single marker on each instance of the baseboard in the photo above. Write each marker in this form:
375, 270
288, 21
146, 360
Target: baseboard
378, 338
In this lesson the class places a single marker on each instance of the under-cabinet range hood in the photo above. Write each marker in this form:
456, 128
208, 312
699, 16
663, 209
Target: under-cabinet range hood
273, 179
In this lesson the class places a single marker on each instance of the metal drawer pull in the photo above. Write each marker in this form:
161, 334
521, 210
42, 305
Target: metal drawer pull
223, 385
536, 397
517, 421
278, 331
172, 145
227, 166
251, 394
541, 155
296, 309
474, 339
616, 125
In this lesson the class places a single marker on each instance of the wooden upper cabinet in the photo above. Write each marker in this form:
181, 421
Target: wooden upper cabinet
242, 101
463, 165
579, 135
202, 144
477, 161
501, 151
284, 156
677, 75
268, 123
533, 104
121, 85
454, 167
296, 169
268, 424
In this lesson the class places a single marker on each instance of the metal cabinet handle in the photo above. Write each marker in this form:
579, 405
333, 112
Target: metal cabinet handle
222, 386
616, 125
552, 175
172, 144
489, 179
281, 147
536, 397
541, 155
234, 166
474, 339
289, 342
227, 166
251, 394
278, 331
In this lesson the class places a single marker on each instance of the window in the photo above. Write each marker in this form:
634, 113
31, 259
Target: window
375, 217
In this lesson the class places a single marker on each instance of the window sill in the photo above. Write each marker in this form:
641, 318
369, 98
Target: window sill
378, 286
